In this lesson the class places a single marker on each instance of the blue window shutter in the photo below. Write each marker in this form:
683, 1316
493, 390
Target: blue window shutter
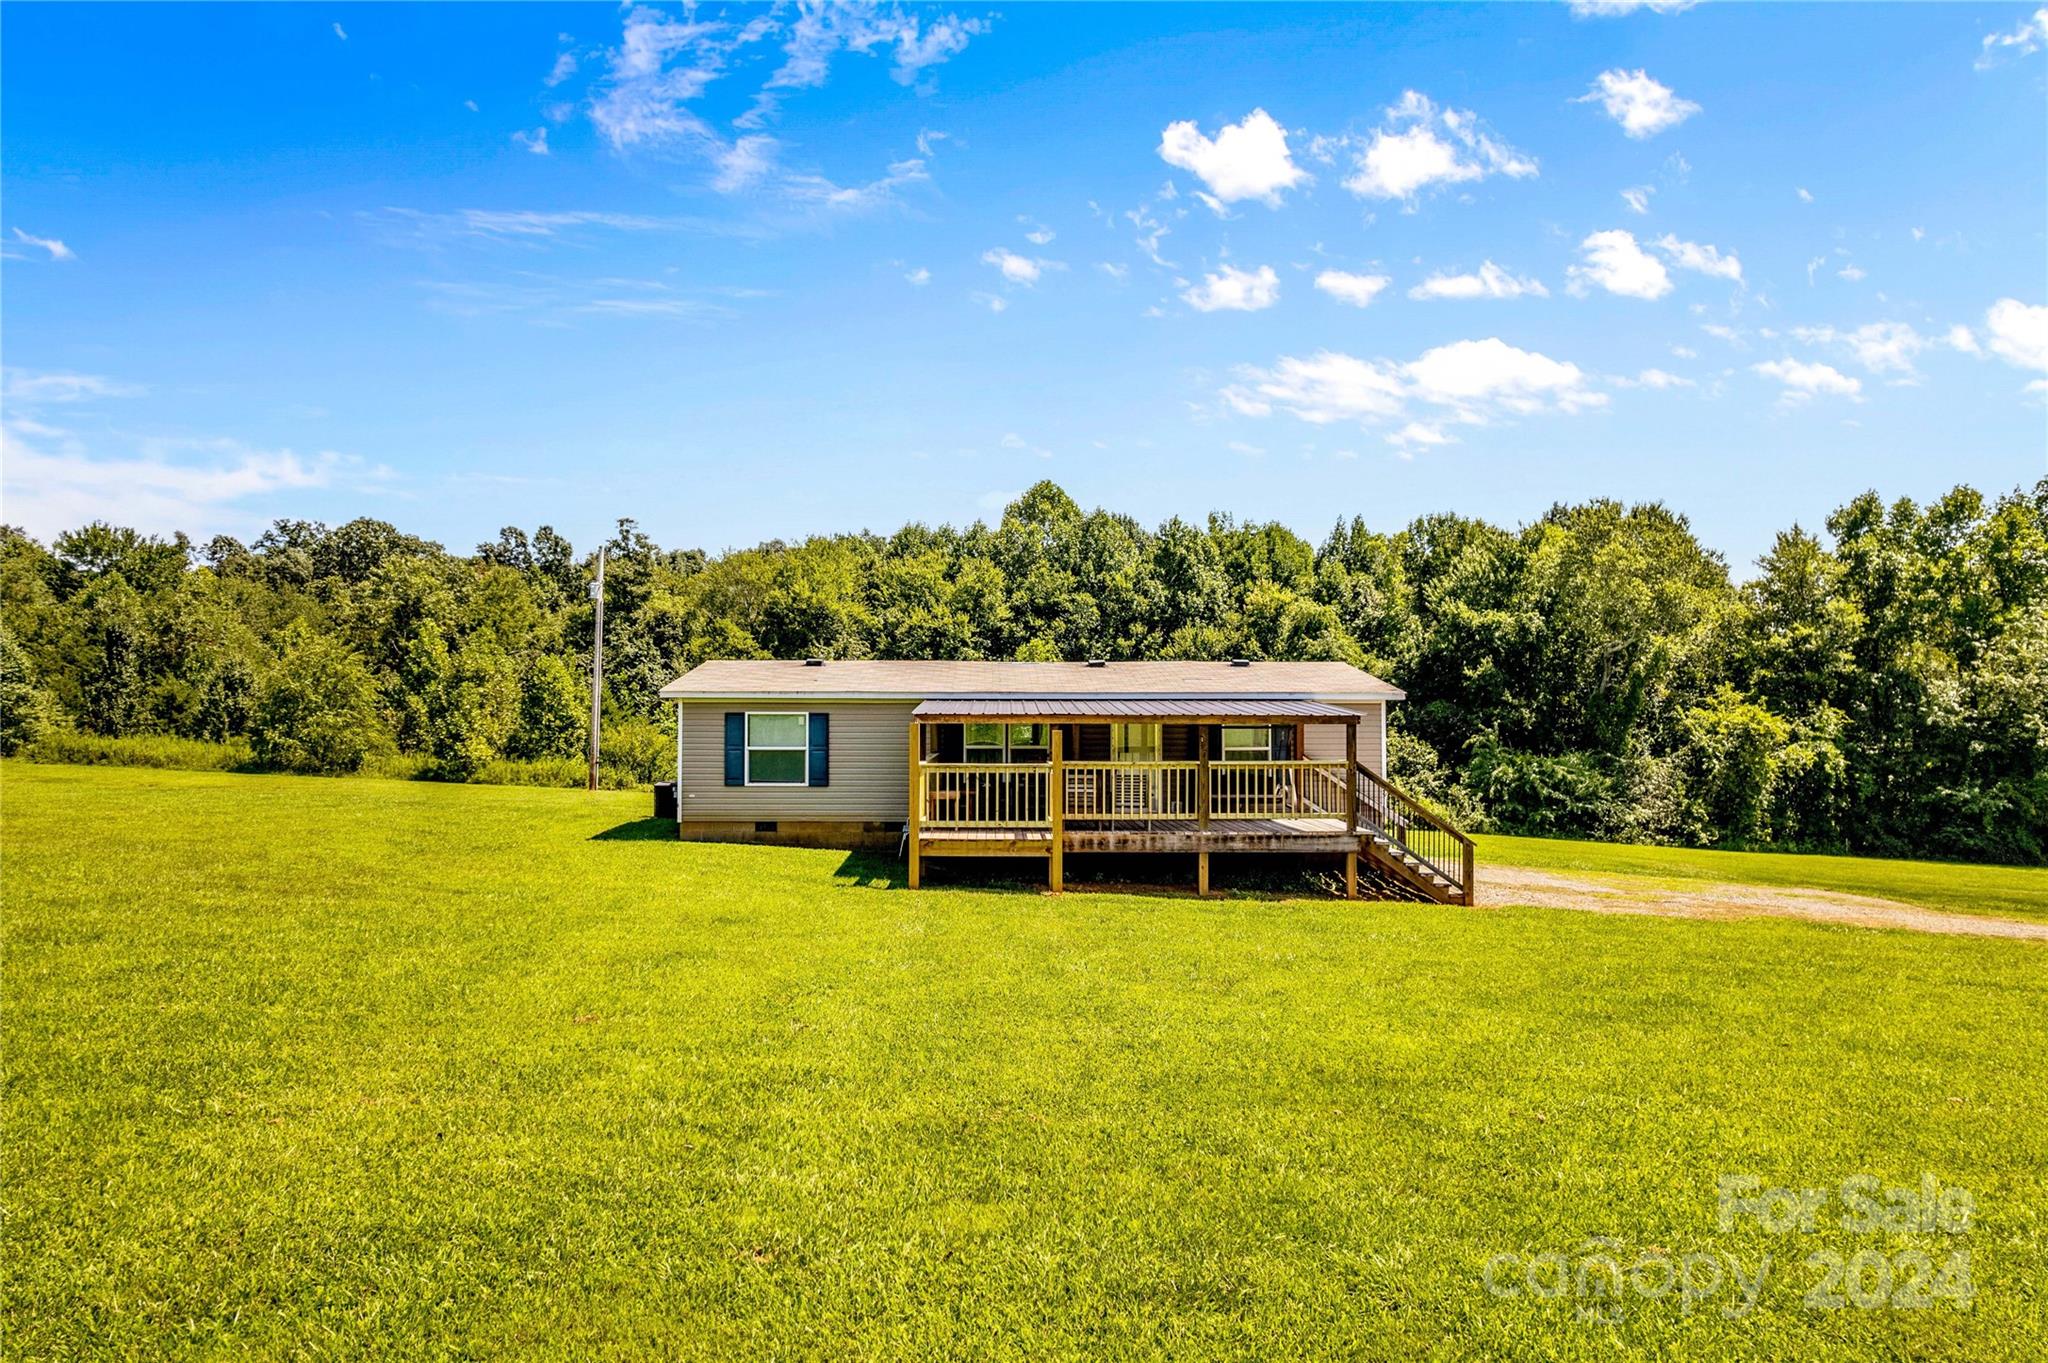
821, 748
735, 748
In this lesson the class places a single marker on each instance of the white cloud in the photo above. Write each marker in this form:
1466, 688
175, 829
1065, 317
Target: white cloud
1490, 282
1852, 273
1417, 146
2018, 333
1610, 9
1039, 235
1356, 289
1115, 271
1880, 347
1963, 339
1235, 290
2025, 40
1803, 381
564, 67
992, 301
1245, 160
535, 141
1247, 449
1615, 263
1707, 260
642, 98
1013, 441
198, 486
1638, 198
1473, 375
745, 163
815, 191
919, 276
26, 388
1639, 104
339, 31
1416, 434
822, 31
1805, 194
470, 105
1015, 268
1659, 379
57, 249
1468, 382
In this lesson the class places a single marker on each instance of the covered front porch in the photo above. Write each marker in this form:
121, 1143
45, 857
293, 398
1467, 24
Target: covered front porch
1044, 777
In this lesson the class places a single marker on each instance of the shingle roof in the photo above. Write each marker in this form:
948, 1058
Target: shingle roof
867, 678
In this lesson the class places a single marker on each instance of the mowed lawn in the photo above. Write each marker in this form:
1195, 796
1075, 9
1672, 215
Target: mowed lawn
1995, 891
355, 1069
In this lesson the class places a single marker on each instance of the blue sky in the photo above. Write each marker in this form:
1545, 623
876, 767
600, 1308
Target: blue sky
751, 272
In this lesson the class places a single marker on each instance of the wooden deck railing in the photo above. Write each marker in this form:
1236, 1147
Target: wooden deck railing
1389, 811
1109, 792
1277, 790
992, 795
983, 795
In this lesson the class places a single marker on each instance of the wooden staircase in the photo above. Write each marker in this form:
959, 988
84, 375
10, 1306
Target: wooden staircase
1411, 845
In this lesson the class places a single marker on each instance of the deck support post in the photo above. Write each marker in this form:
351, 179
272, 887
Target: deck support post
1202, 874
916, 797
1056, 809
1351, 775
1351, 874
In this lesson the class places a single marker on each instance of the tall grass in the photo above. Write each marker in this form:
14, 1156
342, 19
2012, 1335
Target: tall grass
142, 750
632, 760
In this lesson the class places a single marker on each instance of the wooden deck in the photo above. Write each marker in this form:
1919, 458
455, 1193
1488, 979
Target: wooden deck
1032, 809
1162, 835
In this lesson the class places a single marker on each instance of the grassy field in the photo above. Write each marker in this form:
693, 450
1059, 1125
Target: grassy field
341, 1069
2000, 891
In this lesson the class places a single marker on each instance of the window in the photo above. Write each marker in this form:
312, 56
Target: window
999, 743
778, 748
1134, 742
1248, 743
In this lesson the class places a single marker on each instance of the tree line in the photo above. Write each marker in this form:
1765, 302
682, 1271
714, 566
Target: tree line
1882, 688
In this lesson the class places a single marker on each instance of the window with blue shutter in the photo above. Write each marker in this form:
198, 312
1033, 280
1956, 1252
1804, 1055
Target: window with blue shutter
735, 748
821, 748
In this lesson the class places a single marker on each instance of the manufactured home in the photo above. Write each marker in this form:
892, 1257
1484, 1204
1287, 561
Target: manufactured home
960, 759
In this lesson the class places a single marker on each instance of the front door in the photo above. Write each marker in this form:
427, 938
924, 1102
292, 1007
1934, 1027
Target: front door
1134, 793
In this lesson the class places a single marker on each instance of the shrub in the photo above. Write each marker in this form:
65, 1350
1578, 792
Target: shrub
318, 708
639, 749
1539, 794
28, 714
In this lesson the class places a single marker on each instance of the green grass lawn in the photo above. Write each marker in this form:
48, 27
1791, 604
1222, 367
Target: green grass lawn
349, 1069
1998, 891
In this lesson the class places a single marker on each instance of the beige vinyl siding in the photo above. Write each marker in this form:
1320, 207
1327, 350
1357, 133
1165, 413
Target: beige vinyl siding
1325, 742
870, 756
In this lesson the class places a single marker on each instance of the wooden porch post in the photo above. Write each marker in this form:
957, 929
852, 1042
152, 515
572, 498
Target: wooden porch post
1470, 870
1351, 774
1056, 802
916, 795
1202, 777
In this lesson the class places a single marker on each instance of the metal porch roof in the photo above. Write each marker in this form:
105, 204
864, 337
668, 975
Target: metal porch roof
1118, 709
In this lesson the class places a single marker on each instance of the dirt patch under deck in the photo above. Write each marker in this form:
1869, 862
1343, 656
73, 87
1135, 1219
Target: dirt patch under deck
1503, 885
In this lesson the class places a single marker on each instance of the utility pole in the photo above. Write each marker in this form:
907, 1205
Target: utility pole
596, 666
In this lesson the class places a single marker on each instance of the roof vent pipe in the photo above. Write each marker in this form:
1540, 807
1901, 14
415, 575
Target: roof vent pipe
1098, 662
1240, 662
814, 662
